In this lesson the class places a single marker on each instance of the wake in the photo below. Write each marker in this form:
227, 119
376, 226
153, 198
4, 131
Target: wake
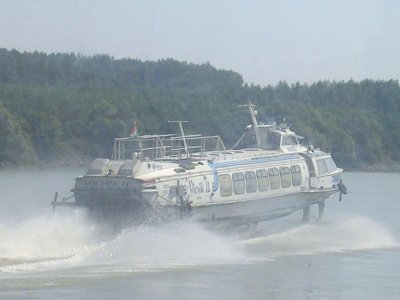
71, 243
47, 238
67, 242
355, 233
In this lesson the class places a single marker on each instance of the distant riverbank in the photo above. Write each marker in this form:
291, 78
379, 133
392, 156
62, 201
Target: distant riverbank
82, 162
85, 162
393, 167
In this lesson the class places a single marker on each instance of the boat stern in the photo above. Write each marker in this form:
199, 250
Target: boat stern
109, 193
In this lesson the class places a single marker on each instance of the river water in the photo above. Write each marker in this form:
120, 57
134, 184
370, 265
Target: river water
353, 253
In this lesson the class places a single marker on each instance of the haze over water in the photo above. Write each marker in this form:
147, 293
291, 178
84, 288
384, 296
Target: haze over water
352, 253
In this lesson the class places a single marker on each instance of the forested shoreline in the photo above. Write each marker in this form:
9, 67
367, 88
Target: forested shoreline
66, 106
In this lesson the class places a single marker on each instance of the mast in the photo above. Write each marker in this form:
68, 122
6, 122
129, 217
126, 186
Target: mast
182, 133
253, 114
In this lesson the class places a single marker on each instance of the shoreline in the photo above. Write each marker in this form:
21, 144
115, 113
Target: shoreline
380, 168
49, 164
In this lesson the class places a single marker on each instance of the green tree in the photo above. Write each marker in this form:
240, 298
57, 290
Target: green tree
15, 146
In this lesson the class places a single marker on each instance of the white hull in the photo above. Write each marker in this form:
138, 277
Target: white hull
254, 211
215, 215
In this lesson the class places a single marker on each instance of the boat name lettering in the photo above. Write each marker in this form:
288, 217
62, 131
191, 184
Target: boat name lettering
106, 183
199, 188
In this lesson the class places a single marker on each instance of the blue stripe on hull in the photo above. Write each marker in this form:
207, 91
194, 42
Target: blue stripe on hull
253, 161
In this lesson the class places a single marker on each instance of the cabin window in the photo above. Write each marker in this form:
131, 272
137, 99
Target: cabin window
296, 175
286, 179
289, 140
322, 166
263, 181
274, 179
273, 141
331, 164
225, 187
251, 181
238, 183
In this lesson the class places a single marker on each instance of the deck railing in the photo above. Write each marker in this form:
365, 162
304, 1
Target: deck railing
166, 147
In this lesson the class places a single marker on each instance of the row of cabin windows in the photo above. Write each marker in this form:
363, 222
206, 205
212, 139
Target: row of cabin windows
261, 180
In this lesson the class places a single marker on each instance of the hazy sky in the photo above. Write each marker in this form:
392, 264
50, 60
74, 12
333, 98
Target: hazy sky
265, 41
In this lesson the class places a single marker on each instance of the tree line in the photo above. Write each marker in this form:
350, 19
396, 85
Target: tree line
63, 105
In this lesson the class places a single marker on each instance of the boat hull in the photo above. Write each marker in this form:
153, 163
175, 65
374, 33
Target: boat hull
122, 200
253, 211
